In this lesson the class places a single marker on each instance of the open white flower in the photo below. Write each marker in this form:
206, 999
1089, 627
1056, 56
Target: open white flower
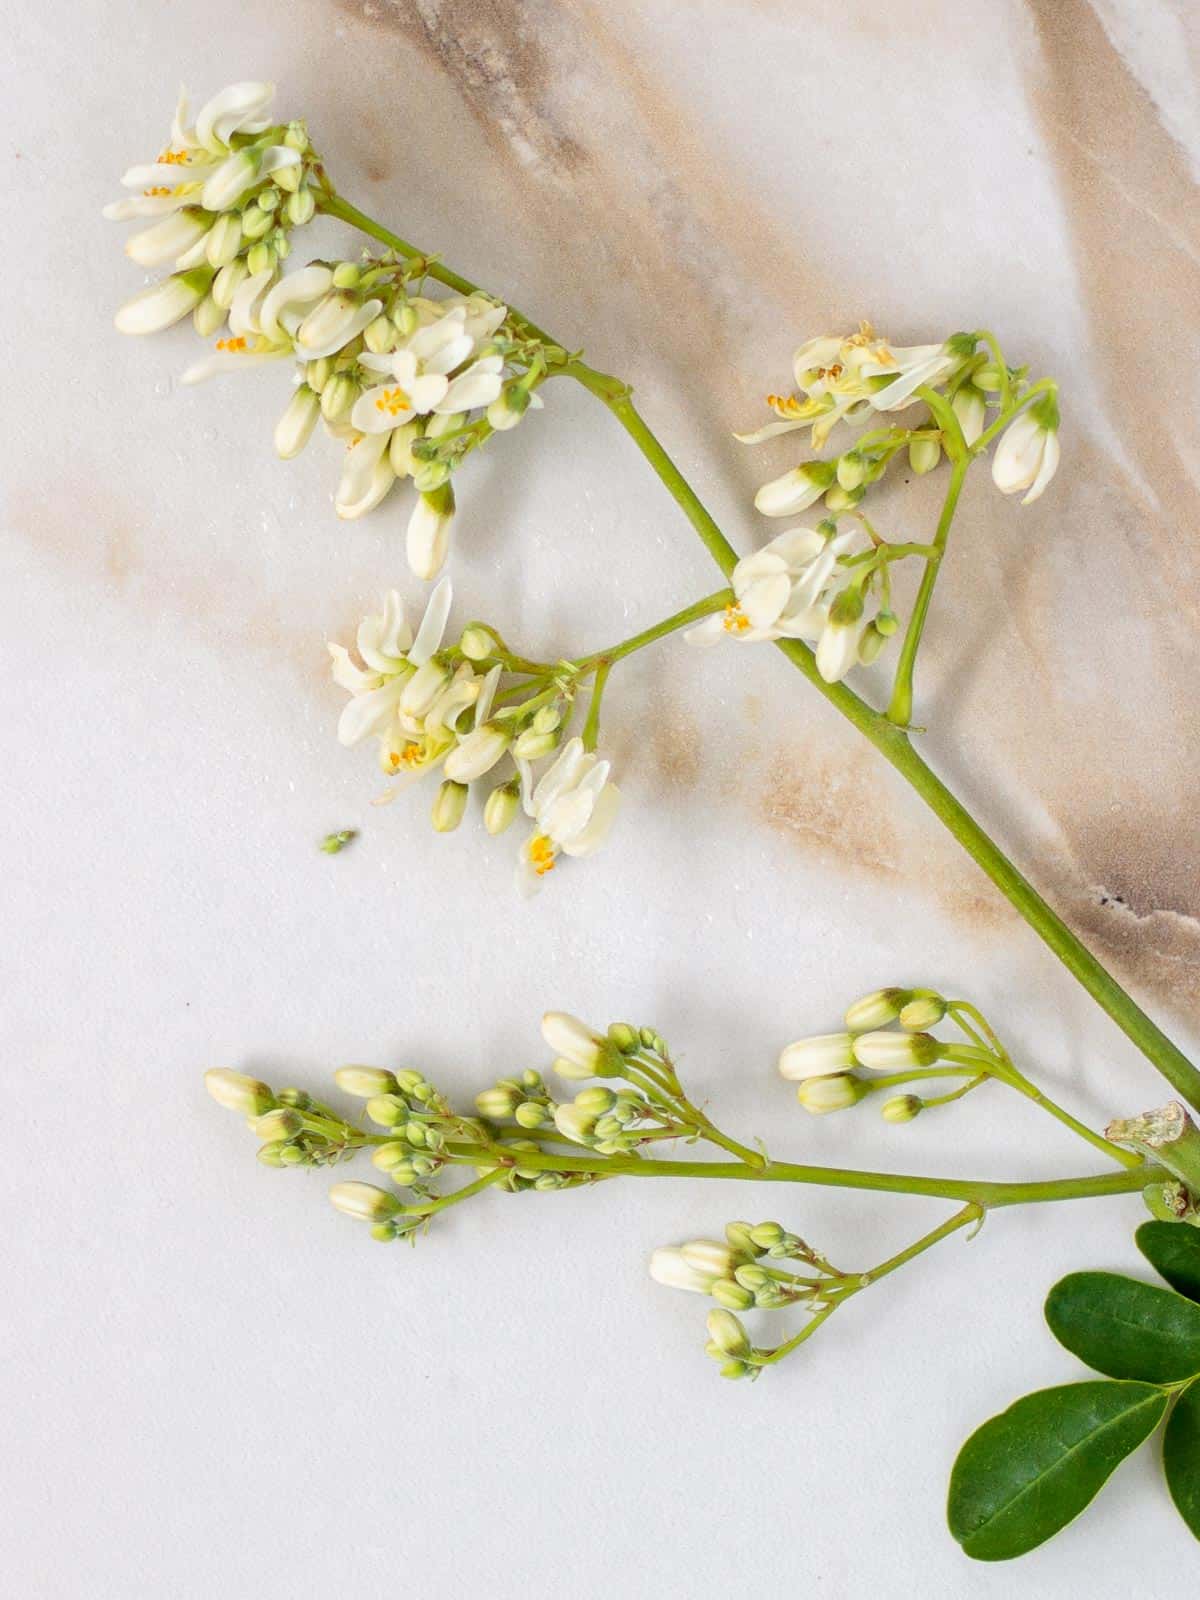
1027, 455
390, 654
418, 376
573, 806
779, 590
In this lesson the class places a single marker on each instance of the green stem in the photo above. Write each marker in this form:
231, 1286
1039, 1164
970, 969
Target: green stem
591, 727
658, 630
977, 1190
889, 739
900, 709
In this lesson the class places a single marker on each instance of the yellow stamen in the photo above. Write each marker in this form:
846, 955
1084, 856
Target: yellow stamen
541, 854
735, 619
157, 191
173, 158
393, 401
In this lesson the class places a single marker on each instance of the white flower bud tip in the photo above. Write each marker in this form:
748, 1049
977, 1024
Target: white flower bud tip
890, 1052
365, 1082
668, 1267
820, 1096
364, 1201
816, 1057
236, 1092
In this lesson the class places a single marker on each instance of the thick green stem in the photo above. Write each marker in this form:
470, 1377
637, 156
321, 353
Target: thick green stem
890, 740
900, 709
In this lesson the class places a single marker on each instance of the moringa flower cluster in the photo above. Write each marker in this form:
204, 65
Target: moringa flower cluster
860, 379
809, 583
409, 384
462, 712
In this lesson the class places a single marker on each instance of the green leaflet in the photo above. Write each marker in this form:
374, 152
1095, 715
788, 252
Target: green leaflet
1125, 1328
1029, 1471
1181, 1456
1173, 1250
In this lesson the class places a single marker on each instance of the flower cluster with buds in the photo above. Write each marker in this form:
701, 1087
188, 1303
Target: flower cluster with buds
859, 377
814, 584
225, 193
410, 384
452, 711
744, 1272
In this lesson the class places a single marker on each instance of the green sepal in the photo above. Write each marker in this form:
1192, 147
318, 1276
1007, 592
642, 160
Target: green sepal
1124, 1328
1029, 1471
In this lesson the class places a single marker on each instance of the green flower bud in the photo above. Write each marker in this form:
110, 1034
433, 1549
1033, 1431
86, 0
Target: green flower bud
387, 1110
384, 1232
228, 281
532, 1114
532, 745
282, 1123
317, 373
837, 1092
902, 1108
414, 1132
289, 179
625, 1037
477, 644
256, 224
851, 469
207, 317
839, 499
887, 622
502, 806
298, 1099
729, 1293
260, 258
380, 336
300, 208
270, 1154
404, 315
365, 1082
737, 1369
296, 137
924, 455
739, 1236
727, 1333
876, 1010
291, 1155
269, 198
449, 806
870, 645
596, 1100
387, 1157
989, 377
765, 1234
753, 1278
496, 1104
338, 396
923, 1011
346, 274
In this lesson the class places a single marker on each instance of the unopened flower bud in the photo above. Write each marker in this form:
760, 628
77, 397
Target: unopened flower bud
576, 1046
668, 1267
261, 257
839, 499
838, 1092
816, 1057
223, 240
388, 1110
989, 377
795, 490
295, 426
970, 408
712, 1256
729, 1293
596, 1100
922, 1011
346, 274
271, 1155
236, 1092
574, 1123
255, 223
497, 1103
924, 455
300, 208
902, 1108
624, 1037
739, 1236
365, 1082
388, 1157
766, 1234
477, 753
727, 1333
364, 1201
296, 136
890, 1052
318, 373
851, 469
477, 644
449, 806
380, 336
532, 1114
228, 281
207, 317
282, 1123
887, 623
876, 1010
531, 745
507, 409
338, 396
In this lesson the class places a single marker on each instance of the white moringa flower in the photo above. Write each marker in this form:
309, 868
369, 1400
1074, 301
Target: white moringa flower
970, 407
236, 1092
427, 538
669, 1267
391, 655
1027, 455
164, 303
575, 1045
264, 314
419, 377
842, 635
778, 590
573, 806
796, 490
817, 1057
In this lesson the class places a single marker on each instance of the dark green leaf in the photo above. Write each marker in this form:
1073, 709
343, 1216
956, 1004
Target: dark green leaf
1028, 1472
1181, 1456
1125, 1328
1173, 1250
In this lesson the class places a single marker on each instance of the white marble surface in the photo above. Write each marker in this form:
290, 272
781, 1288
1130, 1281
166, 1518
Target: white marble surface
212, 1384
